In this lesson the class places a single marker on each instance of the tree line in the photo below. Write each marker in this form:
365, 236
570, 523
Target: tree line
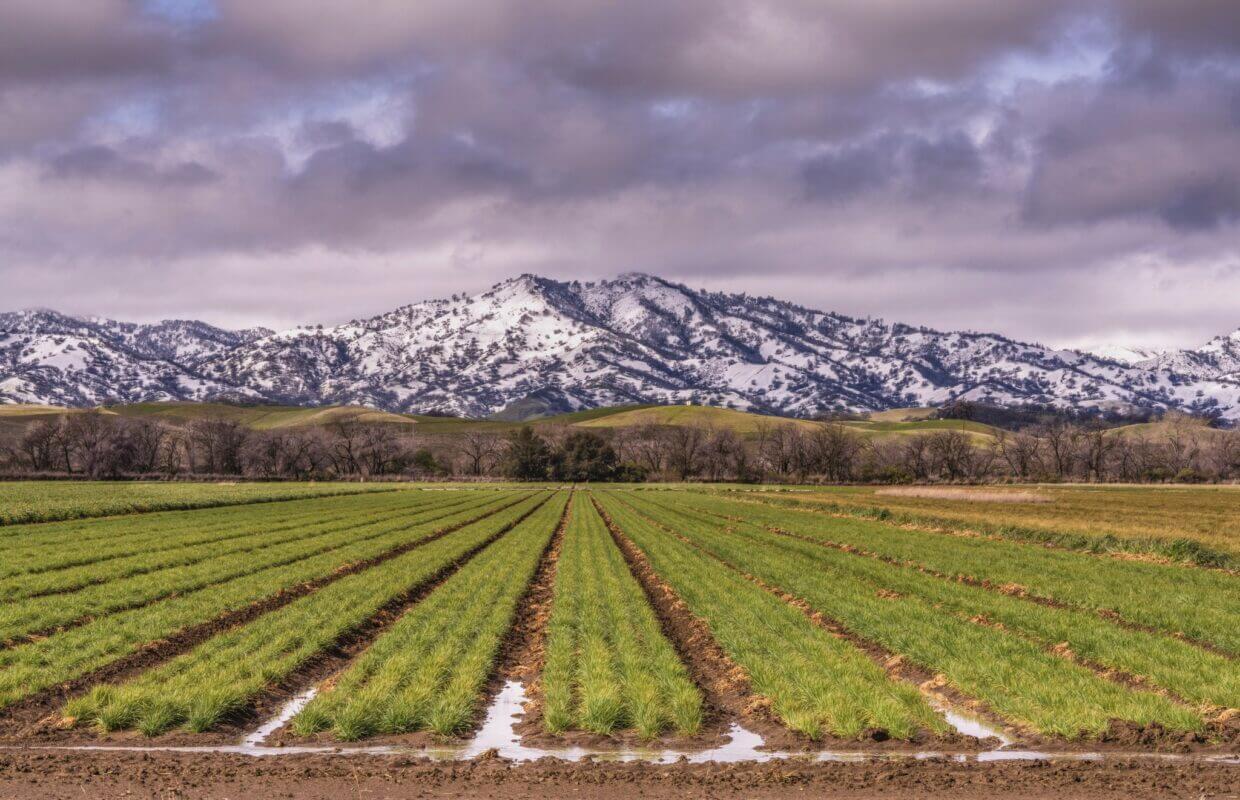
97, 445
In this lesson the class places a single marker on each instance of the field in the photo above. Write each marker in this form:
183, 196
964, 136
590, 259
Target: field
303, 621
1197, 524
49, 501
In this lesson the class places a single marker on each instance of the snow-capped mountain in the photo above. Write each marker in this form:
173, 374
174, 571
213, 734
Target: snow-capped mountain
1124, 354
554, 345
1218, 359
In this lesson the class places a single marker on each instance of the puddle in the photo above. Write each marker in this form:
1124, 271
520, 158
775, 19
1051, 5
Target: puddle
290, 709
498, 732
968, 724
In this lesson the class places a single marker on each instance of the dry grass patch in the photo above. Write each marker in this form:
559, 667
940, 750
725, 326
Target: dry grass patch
969, 495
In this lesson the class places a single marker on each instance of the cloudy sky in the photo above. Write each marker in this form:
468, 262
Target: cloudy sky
1066, 171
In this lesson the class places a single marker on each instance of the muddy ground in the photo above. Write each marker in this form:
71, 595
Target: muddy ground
30, 774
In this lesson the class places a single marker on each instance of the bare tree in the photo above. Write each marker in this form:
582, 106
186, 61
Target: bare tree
646, 446
479, 450
953, 454
41, 446
834, 450
216, 444
147, 439
684, 450
1020, 451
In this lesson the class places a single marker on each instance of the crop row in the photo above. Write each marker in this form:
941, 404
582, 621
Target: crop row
1198, 675
1014, 677
32, 667
608, 666
249, 538
1196, 525
47, 501
428, 670
1201, 604
816, 684
222, 675
49, 611
59, 545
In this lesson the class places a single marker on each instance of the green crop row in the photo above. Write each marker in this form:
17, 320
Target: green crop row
49, 611
47, 501
1199, 603
608, 665
1012, 676
68, 655
1191, 672
220, 676
60, 545
817, 684
429, 669
249, 538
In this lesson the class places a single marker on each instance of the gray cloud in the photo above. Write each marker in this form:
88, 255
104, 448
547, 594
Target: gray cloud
824, 148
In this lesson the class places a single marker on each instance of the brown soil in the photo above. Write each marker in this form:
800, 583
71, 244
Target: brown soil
25, 775
523, 651
1010, 589
725, 688
1222, 732
335, 663
38, 717
329, 664
80, 621
896, 667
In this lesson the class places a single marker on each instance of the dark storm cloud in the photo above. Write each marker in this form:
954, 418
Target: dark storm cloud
1148, 141
103, 163
440, 145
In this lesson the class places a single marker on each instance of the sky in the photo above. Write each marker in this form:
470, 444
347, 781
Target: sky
1060, 171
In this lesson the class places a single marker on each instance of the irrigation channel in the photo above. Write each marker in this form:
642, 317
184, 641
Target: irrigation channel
498, 735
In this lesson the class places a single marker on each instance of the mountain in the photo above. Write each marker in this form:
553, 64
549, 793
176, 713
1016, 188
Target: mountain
1218, 359
1124, 354
532, 345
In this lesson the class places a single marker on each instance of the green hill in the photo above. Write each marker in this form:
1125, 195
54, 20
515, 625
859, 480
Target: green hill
266, 417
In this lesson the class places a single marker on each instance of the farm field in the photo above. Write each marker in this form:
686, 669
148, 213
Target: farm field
627, 619
1193, 523
50, 501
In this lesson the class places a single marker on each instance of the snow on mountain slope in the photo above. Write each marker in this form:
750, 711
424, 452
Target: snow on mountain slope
1128, 356
1218, 359
576, 345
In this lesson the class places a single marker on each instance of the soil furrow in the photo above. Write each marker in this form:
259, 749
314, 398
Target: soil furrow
292, 559
329, 663
1121, 732
962, 531
7, 528
1009, 589
523, 650
21, 715
893, 664
726, 691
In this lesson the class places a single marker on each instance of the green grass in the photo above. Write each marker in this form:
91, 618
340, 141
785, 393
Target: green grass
375, 524
91, 544
1012, 676
817, 684
49, 501
204, 686
1197, 675
32, 667
608, 665
428, 670
1202, 604
1195, 524
742, 422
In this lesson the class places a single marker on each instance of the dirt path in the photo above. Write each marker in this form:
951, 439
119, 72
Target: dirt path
25, 775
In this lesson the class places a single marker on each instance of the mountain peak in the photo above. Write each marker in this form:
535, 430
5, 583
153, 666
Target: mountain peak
580, 344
